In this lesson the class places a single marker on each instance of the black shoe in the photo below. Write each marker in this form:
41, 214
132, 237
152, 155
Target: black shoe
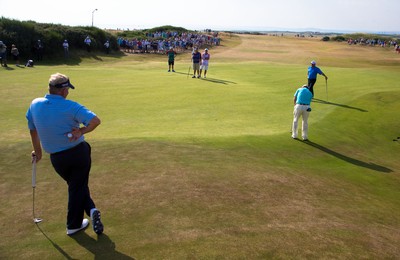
96, 222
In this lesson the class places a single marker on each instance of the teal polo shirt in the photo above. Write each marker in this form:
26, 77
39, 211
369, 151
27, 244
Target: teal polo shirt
53, 117
304, 96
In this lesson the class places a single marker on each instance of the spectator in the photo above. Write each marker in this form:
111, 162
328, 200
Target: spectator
88, 43
29, 64
39, 50
15, 54
171, 59
196, 57
66, 49
107, 46
3, 54
205, 57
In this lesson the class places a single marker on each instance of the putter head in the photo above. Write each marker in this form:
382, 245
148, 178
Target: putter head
37, 220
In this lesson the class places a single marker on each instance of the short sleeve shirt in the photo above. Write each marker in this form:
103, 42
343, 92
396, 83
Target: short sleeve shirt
303, 95
53, 117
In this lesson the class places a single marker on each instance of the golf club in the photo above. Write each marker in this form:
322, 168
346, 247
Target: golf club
326, 87
35, 220
188, 72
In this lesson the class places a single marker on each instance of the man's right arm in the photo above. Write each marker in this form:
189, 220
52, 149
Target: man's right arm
37, 148
78, 132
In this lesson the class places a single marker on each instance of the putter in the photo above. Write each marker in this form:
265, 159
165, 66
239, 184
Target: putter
326, 87
35, 220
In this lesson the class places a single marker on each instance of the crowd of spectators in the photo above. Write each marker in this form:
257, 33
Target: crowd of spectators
160, 42
375, 42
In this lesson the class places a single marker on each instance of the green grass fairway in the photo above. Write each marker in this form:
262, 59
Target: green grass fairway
206, 168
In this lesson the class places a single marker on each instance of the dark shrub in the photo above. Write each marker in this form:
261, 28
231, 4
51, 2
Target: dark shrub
326, 39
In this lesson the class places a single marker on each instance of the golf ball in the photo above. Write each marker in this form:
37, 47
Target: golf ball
69, 135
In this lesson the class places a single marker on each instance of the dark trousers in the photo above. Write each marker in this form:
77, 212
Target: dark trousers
73, 165
311, 83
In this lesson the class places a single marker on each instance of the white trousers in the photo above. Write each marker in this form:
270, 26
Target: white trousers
300, 110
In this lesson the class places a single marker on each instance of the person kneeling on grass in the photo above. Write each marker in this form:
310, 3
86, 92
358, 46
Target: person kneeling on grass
55, 123
302, 100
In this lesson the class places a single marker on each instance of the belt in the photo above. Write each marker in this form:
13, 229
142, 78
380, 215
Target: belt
70, 149
303, 104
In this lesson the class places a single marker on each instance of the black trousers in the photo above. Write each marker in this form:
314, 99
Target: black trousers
311, 83
73, 165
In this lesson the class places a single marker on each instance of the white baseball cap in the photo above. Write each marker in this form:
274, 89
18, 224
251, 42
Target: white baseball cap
313, 62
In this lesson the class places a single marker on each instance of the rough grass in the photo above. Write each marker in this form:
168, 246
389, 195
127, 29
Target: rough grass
204, 169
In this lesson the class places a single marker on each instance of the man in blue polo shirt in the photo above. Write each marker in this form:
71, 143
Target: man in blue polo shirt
312, 72
196, 58
302, 100
59, 126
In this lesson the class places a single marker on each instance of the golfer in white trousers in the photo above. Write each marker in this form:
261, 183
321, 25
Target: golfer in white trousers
302, 100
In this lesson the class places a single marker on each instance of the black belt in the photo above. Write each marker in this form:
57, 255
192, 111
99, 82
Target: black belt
304, 104
70, 149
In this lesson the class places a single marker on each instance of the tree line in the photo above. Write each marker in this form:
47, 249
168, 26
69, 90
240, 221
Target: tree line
25, 34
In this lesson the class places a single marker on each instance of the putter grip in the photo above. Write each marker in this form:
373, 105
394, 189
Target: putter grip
34, 173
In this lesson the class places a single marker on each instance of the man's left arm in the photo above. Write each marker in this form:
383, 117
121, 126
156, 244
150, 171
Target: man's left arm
323, 74
78, 132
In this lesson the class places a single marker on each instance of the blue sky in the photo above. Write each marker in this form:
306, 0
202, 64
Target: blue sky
328, 15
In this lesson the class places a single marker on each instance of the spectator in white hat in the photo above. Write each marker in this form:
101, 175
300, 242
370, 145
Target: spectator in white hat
205, 57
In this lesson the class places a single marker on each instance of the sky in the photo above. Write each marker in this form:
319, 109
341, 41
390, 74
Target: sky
379, 16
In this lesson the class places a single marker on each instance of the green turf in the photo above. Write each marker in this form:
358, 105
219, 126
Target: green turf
205, 168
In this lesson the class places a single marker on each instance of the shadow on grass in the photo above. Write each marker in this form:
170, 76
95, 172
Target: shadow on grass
345, 158
212, 80
7, 68
316, 100
102, 248
59, 249
219, 81
77, 57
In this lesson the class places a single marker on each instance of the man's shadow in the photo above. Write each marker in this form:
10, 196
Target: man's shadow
213, 80
371, 166
102, 248
219, 81
59, 249
316, 100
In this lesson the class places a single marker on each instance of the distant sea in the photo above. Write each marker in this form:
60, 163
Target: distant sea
256, 29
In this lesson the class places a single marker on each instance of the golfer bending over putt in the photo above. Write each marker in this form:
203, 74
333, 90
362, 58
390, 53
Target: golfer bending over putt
55, 123
302, 100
